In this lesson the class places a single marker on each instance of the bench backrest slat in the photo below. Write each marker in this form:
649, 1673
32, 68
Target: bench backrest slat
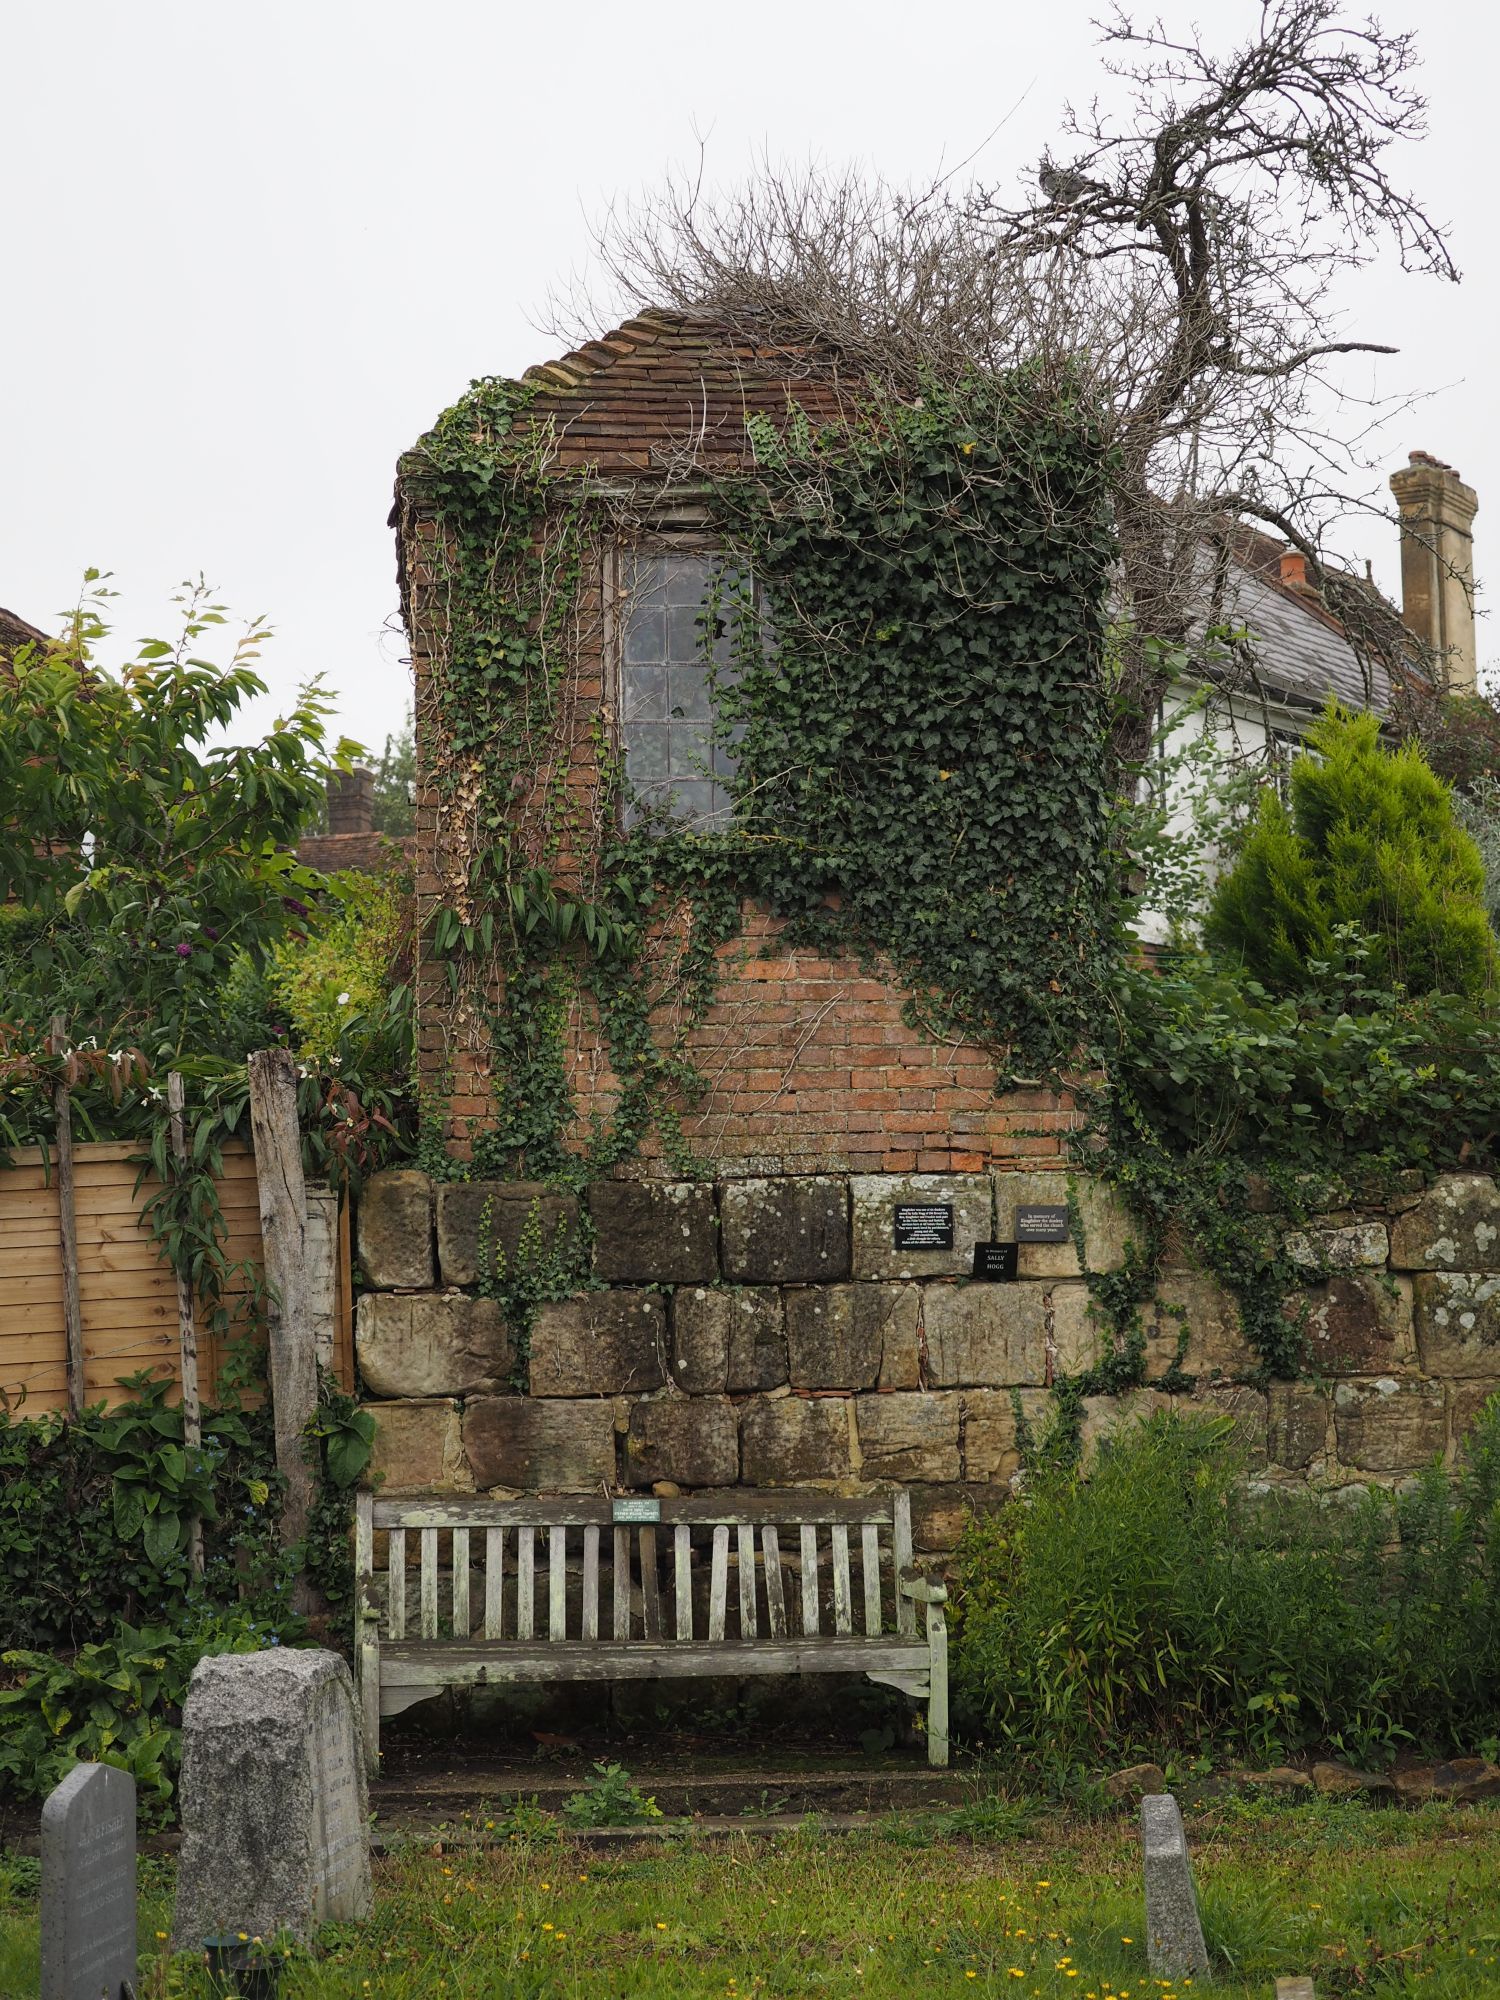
656, 1571
576, 1510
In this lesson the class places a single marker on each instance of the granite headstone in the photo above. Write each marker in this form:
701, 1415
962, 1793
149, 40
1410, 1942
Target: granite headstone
88, 1885
1174, 1933
275, 1833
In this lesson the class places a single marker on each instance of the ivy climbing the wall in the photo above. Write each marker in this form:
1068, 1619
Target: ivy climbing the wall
912, 693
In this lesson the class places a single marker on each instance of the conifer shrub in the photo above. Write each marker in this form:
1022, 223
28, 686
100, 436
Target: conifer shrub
1368, 846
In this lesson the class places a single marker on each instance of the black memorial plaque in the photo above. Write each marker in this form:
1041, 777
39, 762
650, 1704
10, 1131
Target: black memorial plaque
1042, 1223
924, 1225
995, 1261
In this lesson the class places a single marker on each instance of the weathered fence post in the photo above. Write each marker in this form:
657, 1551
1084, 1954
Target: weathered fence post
187, 1323
289, 1320
67, 1225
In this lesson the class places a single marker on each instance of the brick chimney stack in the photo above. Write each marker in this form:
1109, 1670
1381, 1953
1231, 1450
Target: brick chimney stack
351, 801
1437, 564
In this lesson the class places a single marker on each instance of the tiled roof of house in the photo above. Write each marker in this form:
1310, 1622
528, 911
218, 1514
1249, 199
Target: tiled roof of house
1298, 652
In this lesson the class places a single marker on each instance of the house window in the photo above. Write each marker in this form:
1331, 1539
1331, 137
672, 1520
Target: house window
670, 664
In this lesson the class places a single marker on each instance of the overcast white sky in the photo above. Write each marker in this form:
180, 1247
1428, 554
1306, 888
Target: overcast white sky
253, 249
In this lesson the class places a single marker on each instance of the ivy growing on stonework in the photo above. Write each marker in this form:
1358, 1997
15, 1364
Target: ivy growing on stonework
914, 700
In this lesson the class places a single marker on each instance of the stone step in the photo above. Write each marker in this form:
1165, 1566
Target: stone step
442, 1792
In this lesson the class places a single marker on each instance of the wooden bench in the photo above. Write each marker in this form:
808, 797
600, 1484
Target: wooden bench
731, 1584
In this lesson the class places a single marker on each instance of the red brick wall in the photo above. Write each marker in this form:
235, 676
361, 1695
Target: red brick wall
809, 1066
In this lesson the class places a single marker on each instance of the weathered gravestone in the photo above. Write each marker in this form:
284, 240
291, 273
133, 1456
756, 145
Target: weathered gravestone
88, 1886
275, 1833
1174, 1935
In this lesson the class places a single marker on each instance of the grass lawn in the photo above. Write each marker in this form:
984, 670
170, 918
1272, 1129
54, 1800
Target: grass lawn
989, 1901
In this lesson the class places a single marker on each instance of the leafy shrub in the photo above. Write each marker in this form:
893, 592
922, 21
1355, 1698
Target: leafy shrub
1370, 845
1211, 1061
94, 1517
116, 1702
1157, 1602
344, 971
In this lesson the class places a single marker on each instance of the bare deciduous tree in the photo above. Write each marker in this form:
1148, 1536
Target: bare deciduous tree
1184, 257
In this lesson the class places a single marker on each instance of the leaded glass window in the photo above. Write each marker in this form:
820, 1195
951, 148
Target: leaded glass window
671, 662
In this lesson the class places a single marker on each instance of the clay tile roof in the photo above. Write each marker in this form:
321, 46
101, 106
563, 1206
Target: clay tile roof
633, 399
16, 632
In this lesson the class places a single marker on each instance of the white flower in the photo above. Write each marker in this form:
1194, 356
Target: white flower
343, 999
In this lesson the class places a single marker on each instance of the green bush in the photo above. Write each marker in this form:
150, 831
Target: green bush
1369, 848
118, 1702
1158, 1603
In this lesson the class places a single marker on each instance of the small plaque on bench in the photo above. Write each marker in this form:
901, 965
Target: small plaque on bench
636, 1510
995, 1261
1042, 1223
924, 1225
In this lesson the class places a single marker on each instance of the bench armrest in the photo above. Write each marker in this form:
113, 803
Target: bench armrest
914, 1585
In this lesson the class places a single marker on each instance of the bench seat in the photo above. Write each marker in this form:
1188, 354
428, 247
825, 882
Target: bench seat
574, 1589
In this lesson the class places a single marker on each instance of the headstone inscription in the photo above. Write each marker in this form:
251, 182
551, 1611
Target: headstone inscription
923, 1225
275, 1833
88, 1886
1174, 1934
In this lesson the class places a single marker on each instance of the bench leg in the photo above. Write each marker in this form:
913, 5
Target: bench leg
369, 1692
937, 1698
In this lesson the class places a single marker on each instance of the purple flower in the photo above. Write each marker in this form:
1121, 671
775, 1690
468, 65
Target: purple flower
210, 932
184, 951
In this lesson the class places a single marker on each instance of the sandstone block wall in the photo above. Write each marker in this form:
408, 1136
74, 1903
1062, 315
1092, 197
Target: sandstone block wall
766, 1332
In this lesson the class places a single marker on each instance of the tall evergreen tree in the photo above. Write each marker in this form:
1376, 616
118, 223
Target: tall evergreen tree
1369, 842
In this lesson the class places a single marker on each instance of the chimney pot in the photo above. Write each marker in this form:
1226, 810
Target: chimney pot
351, 801
1294, 569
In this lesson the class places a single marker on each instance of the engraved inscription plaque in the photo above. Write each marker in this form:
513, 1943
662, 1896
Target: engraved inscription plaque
924, 1225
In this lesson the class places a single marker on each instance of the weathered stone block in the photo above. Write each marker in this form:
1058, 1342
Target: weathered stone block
1458, 1322
599, 1344
1101, 1215
431, 1344
1389, 1426
793, 1230
874, 1200
991, 1444
1246, 1406
1465, 1401
654, 1232
853, 1336
531, 1446
1174, 1933
1296, 1425
1350, 1248
939, 1514
1104, 1417
492, 1226
908, 1437
690, 1440
1216, 1344
795, 1440
275, 1823
724, 1338
996, 1335
1359, 1323
418, 1448
1454, 1227
395, 1229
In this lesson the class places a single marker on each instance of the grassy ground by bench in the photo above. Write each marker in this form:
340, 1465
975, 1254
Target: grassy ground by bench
1374, 1902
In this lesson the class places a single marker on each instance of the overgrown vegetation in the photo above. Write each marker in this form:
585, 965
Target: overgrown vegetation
1398, 1904
1157, 1604
917, 728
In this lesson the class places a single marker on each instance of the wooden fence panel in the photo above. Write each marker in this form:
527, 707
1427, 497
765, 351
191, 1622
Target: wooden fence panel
127, 1294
